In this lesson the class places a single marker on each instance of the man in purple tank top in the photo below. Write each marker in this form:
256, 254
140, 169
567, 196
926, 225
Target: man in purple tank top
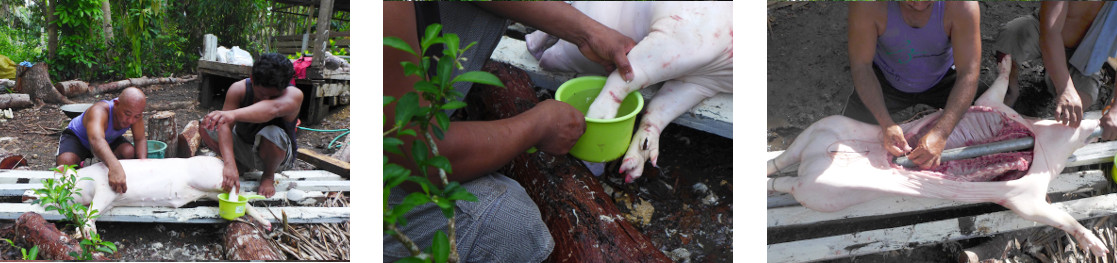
99, 132
902, 54
255, 129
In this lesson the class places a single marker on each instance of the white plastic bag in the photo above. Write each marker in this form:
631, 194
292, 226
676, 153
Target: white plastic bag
240, 57
222, 54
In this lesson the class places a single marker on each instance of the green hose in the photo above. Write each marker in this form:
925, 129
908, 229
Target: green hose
331, 145
346, 132
317, 130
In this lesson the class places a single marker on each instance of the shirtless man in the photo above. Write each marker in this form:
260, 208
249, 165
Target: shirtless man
256, 126
99, 132
900, 54
1062, 27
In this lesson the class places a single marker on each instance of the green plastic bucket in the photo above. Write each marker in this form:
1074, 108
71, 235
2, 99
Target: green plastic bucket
231, 210
156, 149
604, 140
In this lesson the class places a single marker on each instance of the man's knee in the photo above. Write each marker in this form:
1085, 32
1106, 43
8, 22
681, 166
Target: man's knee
67, 158
125, 151
515, 218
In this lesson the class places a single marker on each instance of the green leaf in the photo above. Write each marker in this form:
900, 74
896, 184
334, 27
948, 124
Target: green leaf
440, 247
426, 86
398, 43
445, 68
408, 132
110, 245
409, 202
395, 174
34, 254
460, 193
419, 151
411, 259
423, 182
431, 36
388, 100
392, 144
447, 207
443, 120
453, 105
451, 41
440, 162
480, 77
438, 133
406, 107
409, 68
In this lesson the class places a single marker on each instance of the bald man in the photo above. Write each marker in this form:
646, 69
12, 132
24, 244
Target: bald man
99, 132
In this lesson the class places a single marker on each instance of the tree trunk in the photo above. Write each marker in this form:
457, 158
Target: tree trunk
243, 241
106, 23
189, 140
36, 82
161, 127
32, 229
584, 222
52, 30
15, 100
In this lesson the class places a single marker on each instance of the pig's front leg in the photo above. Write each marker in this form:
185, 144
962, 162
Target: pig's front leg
674, 98
103, 197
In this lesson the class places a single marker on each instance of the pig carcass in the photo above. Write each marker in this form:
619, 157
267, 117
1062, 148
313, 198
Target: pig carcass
687, 44
170, 182
842, 163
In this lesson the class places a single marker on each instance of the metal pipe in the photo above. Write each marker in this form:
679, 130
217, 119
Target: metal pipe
967, 152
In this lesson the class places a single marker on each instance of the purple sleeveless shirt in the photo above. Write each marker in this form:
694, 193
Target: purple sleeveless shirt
914, 59
111, 134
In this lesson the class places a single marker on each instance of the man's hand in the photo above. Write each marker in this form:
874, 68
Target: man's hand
563, 125
1109, 125
928, 153
215, 118
609, 48
230, 178
1068, 109
893, 139
117, 181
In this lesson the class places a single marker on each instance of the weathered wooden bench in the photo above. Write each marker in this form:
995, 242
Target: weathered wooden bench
713, 115
798, 234
18, 183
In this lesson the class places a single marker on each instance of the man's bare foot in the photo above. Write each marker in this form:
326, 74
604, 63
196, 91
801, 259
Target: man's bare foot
267, 185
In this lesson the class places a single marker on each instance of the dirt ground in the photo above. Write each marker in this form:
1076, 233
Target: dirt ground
809, 78
34, 133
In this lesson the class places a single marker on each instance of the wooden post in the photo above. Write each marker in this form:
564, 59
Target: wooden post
161, 127
243, 241
584, 222
15, 100
209, 42
322, 38
189, 140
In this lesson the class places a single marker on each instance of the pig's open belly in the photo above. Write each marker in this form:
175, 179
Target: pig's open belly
979, 125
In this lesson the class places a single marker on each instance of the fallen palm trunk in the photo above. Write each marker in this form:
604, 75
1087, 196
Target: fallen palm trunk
584, 222
243, 241
15, 100
72, 88
31, 228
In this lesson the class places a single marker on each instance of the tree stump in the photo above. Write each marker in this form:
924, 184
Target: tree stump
15, 100
243, 241
161, 127
584, 222
36, 82
189, 140
32, 229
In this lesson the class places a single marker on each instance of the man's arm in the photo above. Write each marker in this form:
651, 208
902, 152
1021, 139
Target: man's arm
139, 138
1068, 109
95, 121
285, 106
964, 30
863, 32
231, 177
473, 148
597, 42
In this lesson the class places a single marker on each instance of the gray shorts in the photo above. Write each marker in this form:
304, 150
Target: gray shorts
248, 154
1020, 38
504, 225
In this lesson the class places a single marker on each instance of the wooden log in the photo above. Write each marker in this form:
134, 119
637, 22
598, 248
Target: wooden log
31, 228
161, 127
174, 105
324, 162
11, 161
72, 88
136, 82
15, 100
189, 140
244, 241
584, 222
36, 82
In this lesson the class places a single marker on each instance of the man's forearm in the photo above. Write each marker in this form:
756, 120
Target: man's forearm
961, 96
225, 143
868, 89
103, 151
556, 18
1053, 17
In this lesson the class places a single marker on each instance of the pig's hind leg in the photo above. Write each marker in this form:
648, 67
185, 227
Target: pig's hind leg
671, 101
1036, 208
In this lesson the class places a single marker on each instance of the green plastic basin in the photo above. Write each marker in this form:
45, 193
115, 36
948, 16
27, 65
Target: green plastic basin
156, 149
604, 140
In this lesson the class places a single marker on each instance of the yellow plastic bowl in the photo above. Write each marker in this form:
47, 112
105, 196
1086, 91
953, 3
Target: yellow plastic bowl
604, 140
231, 210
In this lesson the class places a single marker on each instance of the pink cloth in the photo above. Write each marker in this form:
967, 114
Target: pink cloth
301, 65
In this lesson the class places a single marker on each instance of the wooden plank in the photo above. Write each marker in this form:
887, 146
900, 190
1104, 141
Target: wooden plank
881, 240
224, 69
800, 216
194, 215
324, 162
289, 44
339, 34
16, 176
246, 186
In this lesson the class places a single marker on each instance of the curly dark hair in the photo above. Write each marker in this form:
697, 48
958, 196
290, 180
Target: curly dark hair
273, 70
